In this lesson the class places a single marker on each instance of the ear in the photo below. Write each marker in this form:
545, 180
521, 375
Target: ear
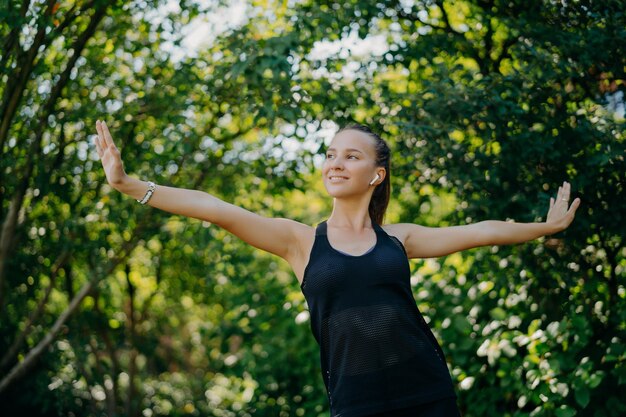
381, 173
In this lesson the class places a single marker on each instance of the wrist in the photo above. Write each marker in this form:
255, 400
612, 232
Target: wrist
552, 228
123, 184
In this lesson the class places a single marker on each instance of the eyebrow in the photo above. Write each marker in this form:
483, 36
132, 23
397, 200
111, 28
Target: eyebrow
347, 150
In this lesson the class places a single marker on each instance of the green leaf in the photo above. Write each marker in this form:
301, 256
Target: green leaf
595, 379
582, 396
565, 411
498, 313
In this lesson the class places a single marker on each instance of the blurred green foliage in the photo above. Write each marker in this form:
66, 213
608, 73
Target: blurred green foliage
110, 308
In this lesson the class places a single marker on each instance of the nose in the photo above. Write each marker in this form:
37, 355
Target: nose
336, 163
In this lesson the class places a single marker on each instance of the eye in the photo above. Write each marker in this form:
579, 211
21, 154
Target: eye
328, 155
352, 156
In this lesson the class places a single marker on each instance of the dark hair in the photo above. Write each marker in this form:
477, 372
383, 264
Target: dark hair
380, 198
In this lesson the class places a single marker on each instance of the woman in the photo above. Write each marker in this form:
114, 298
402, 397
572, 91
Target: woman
378, 356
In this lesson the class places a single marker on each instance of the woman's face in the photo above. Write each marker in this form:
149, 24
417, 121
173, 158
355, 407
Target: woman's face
350, 164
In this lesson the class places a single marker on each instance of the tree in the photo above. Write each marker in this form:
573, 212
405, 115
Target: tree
487, 105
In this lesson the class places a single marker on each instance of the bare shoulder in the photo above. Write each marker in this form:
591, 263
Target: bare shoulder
397, 230
431, 242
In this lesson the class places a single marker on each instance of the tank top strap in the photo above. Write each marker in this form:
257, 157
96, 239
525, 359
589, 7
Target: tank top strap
321, 228
378, 229
392, 238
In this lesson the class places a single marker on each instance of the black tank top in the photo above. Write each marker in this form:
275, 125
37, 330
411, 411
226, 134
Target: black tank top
376, 351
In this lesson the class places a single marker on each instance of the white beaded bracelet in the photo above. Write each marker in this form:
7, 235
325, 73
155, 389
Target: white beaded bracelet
151, 188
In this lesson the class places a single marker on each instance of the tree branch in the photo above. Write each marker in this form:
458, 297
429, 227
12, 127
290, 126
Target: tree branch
110, 392
415, 18
87, 375
11, 40
132, 366
34, 354
15, 347
504, 52
465, 45
8, 228
15, 90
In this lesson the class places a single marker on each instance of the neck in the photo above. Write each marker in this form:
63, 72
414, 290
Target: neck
351, 213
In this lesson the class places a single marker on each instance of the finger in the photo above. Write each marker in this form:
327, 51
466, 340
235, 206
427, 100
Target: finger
558, 194
103, 138
574, 207
551, 203
107, 135
98, 150
100, 134
97, 138
566, 190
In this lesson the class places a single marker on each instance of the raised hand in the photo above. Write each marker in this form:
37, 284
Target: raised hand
109, 156
558, 214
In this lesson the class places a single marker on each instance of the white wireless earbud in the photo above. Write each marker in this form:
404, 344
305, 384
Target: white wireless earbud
374, 180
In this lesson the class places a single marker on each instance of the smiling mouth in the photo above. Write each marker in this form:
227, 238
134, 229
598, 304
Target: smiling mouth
337, 177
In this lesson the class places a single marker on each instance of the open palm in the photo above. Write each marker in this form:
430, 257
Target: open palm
558, 213
110, 155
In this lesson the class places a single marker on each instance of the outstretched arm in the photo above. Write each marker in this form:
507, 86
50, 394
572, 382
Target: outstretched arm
274, 235
429, 242
559, 218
